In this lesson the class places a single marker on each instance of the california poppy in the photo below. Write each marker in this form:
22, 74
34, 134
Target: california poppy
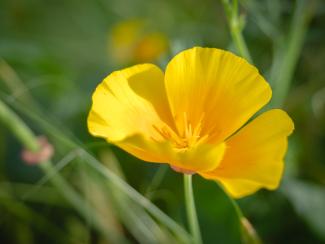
193, 117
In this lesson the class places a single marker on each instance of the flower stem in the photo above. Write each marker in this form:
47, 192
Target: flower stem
236, 24
191, 210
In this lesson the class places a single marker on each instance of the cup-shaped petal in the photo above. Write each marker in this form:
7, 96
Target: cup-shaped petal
129, 102
254, 156
215, 88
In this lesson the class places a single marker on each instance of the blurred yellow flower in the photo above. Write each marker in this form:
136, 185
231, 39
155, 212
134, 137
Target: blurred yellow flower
191, 118
132, 41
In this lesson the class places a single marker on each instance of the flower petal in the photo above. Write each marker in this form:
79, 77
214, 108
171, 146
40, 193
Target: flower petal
214, 85
129, 102
254, 156
203, 157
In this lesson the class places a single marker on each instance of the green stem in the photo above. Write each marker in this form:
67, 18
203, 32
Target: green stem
29, 140
108, 174
248, 233
236, 26
291, 47
140, 199
240, 43
18, 128
191, 210
15, 84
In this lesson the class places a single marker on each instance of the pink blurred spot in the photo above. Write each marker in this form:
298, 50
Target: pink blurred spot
45, 153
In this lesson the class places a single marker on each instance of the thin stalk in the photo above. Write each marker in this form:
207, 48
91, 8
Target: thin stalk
191, 210
24, 134
108, 174
140, 223
249, 235
137, 197
15, 84
18, 128
291, 46
236, 24
62, 138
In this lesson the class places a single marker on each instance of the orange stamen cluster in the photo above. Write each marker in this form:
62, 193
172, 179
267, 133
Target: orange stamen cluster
187, 136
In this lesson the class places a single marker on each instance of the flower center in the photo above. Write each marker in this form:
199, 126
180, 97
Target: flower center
188, 136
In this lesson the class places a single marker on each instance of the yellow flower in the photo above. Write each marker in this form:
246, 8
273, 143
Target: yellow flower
133, 41
193, 118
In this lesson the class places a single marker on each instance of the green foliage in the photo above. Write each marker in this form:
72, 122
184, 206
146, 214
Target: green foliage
52, 56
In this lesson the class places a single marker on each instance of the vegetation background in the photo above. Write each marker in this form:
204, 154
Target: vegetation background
52, 56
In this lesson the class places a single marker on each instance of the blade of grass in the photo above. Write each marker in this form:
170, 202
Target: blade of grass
291, 48
29, 140
126, 205
96, 197
137, 197
57, 168
73, 144
115, 180
14, 83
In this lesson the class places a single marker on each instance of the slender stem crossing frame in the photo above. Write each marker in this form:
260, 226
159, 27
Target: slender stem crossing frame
191, 210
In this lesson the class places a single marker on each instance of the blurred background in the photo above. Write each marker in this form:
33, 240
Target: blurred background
54, 53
